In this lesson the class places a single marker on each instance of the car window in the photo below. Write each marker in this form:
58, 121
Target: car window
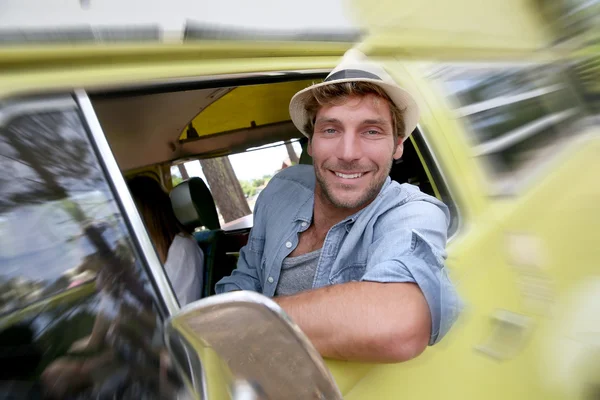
516, 115
235, 181
78, 313
571, 18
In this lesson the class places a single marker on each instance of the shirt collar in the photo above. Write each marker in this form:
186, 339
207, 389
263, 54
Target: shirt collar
305, 212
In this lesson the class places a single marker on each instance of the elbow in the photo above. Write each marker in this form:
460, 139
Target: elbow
404, 343
410, 348
405, 347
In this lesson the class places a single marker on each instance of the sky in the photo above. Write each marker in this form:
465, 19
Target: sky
251, 164
172, 14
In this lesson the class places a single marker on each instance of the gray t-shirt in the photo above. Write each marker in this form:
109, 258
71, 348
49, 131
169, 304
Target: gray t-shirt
297, 273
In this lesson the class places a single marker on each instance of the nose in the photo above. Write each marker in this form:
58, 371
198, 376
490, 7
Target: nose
348, 148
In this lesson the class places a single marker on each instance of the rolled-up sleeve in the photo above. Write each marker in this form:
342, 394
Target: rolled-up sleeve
410, 247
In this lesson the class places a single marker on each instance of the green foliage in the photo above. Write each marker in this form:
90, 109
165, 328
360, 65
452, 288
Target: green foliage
250, 188
176, 180
258, 182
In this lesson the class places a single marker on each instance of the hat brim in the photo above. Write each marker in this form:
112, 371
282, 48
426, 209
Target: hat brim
401, 98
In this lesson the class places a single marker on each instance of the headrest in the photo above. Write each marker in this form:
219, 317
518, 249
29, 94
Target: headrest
193, 204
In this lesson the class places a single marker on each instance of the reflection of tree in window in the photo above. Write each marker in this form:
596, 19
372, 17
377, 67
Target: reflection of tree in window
54, 201
56, 165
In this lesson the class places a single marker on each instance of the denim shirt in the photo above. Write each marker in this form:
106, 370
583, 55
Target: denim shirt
399, 237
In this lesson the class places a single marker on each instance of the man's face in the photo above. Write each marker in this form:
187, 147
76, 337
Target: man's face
353, 149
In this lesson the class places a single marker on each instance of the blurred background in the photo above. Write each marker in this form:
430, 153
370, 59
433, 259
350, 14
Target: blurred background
509, 139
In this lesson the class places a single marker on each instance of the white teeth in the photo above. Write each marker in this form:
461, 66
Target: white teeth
349, 176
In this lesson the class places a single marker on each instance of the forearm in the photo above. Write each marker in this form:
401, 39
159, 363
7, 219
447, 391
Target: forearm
363, 321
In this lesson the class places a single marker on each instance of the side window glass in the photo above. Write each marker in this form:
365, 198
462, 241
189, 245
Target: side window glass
517, 116
572, 18
78, 316
584, 75
236, 180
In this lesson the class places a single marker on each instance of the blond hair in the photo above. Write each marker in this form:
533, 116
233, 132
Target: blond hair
337, 94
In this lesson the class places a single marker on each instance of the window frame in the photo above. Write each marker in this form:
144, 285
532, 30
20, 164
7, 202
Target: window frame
169, 304
434, 167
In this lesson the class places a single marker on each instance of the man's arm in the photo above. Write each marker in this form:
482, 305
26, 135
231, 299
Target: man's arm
363, 321
403, 302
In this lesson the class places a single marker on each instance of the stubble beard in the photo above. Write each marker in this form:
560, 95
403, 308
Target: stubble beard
367, 197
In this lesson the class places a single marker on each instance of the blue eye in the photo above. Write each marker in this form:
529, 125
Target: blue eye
373, 133
329, 130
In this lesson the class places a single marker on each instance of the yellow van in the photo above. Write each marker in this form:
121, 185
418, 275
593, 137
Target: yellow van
508, 139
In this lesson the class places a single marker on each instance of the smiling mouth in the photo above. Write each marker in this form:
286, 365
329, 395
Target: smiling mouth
349, 176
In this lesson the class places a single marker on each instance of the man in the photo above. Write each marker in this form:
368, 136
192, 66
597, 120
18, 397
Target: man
355, 259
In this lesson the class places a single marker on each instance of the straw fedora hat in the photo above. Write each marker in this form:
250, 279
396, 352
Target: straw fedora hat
355, 67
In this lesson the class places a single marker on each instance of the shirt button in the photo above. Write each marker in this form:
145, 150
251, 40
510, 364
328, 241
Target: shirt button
304, 224
270, 279
288, 244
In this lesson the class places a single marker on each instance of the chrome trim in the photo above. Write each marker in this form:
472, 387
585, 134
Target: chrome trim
454, 69
520, 329
7, 111
445, 180
188, 348
238, 296
245, 296
522, 133
506, 100
131, 212
524, 178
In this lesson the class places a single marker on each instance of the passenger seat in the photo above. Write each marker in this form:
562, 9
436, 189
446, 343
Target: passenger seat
194, 207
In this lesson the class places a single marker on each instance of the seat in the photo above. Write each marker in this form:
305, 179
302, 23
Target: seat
195, 208
305, 158
410, 169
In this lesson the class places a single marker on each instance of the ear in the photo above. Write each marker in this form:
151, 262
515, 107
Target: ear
309, 147
399, 150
